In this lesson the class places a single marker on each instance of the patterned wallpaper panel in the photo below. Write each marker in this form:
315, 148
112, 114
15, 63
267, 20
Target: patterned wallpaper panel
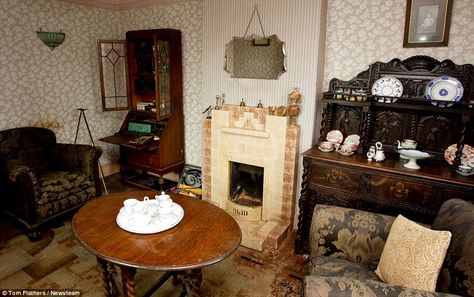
40, 87
364, 31
186, 17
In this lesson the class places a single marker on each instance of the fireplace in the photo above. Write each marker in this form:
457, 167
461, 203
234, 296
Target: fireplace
250, 159
245, 191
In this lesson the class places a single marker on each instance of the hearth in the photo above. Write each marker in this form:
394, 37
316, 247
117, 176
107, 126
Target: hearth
249, 167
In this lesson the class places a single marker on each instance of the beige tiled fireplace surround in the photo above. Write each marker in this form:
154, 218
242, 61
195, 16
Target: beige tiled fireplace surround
249, 135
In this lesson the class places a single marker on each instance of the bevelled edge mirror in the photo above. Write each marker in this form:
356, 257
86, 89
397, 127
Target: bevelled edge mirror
245, 58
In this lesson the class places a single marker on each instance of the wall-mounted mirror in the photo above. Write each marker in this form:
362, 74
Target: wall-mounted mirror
252, 58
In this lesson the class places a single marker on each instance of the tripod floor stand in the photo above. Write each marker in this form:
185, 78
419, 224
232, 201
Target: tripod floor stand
83, 114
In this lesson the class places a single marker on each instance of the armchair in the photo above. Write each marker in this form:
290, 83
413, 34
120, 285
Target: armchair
346, 245
41, 179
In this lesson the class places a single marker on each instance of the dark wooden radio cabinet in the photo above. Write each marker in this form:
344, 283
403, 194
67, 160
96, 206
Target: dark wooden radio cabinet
388, 187
155, 87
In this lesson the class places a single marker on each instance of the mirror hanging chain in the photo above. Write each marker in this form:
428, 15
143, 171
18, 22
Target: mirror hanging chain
257, 41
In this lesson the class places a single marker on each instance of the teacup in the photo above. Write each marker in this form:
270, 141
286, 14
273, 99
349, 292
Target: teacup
326, 145
465, 169
166, 214
129, 205
346, 149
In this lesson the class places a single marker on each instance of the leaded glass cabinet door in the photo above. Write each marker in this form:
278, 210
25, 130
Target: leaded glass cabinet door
155, 74
164, 79
113, 74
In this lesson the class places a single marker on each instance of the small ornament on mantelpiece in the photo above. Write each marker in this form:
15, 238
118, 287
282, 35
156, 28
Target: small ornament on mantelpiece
294, 100
259, 105
242, 103
220, 100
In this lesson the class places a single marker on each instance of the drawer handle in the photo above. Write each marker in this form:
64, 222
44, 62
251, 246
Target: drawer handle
334, 176
399, 190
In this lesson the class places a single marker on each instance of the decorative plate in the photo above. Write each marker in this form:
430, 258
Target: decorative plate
155, 225
467, 157
444, 88
387, 86
353, 138
335, 136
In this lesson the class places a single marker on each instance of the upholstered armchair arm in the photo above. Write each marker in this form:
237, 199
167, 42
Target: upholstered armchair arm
350, 234
347, 286
17, 170
25, 181
76, 157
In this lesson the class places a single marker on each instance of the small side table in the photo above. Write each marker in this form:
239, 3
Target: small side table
205, 236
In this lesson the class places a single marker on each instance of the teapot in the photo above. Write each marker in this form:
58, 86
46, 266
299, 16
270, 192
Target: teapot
406, 144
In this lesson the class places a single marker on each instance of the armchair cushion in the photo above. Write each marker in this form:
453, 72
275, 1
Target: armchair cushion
350, 287
457, 273
329, 267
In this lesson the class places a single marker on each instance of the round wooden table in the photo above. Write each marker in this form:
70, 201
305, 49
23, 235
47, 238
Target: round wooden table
206, 235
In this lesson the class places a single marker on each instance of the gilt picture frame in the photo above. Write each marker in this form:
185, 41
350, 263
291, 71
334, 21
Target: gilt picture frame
427, 23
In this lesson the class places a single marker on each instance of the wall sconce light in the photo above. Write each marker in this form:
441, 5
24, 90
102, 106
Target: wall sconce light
51, 39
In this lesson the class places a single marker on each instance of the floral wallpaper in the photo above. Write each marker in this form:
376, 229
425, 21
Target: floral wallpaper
187, 18
364, 31
40, 87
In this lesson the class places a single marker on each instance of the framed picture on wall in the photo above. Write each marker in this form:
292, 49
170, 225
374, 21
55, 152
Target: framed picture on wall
427, 23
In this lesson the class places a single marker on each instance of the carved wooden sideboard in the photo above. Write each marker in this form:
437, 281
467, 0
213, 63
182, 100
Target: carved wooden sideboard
388, 187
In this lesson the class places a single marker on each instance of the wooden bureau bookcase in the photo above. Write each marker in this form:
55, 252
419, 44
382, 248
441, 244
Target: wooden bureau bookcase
388, 187
155, 100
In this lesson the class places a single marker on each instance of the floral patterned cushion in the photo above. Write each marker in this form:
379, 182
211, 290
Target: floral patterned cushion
350, 287
354, 235
457, 273
329, 266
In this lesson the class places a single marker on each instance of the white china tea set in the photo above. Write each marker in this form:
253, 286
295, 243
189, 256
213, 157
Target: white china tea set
149, 215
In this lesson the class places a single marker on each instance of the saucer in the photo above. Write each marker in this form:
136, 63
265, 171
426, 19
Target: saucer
464, 173
345, 154
325, 150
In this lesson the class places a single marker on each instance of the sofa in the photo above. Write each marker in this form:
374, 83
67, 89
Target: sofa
346, 245
41, 179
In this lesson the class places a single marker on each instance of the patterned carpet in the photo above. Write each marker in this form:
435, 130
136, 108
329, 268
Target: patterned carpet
57, 261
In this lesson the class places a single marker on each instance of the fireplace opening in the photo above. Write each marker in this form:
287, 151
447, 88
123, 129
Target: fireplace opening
246, 184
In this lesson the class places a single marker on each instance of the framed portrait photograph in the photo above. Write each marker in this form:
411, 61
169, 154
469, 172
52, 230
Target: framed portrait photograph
427, 23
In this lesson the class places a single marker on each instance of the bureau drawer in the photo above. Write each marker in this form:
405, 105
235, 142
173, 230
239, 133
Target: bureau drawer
393, 189
339, 178
145, 159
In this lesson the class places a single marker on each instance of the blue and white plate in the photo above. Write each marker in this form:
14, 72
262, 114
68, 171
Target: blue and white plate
444, 88
387, 86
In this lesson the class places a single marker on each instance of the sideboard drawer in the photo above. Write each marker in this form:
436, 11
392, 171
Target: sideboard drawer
340, 178
393, 189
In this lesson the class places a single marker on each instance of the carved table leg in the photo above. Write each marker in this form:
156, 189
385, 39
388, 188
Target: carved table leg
191, 280
128, 281
105, 277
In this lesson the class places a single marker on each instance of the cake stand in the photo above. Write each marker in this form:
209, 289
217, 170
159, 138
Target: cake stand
412, 156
